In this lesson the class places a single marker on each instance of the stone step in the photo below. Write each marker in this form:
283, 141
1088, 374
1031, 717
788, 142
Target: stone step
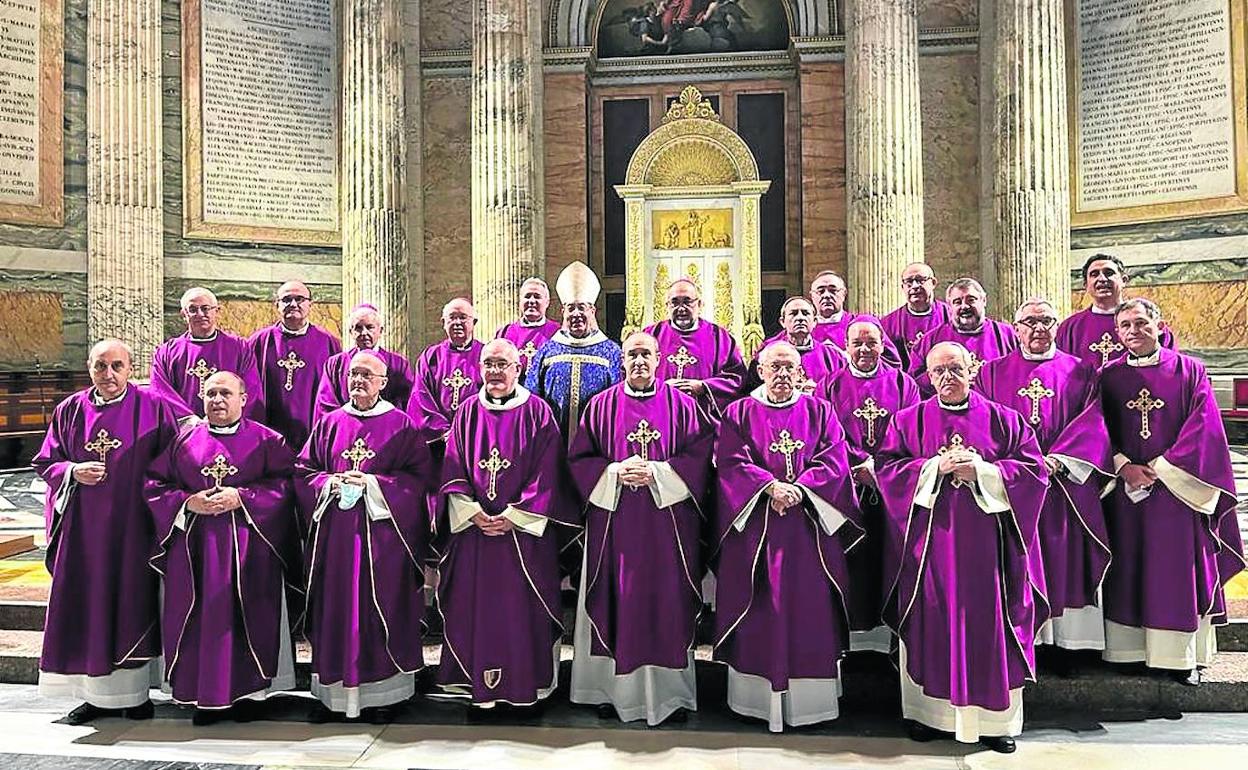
871, 682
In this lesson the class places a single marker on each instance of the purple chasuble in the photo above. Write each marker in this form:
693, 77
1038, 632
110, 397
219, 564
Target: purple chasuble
181, 365
782, 579
865, 405
1152, 581
1060, 401
446, 377
709, 354
364, 575
102, 607
993, 340
906, 329
837, 332
223, 575
291, 367
499, 595
1093, 338
527, 339
820, 360
966, 598
333, 393
643, 561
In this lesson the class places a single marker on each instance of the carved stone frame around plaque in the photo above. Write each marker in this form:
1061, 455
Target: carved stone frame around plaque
50, 210
1177, 209
194, 225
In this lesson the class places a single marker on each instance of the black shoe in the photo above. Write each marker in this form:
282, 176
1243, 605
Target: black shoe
245, 710
87, 713
1190, 678
922, 733
321, 715
205, 717
678, 717
144, 710
1000, 744
1062, 663
605, 711
380, 715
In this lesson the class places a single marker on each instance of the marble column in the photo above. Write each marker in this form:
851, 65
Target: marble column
508, 240
125, 263
375, 265
1031, 172
884, 149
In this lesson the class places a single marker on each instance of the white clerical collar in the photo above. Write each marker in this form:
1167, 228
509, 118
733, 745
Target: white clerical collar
855, 371
929, 310
533, 324
760, 394
209, 338
1045, 356
835, 318
690, 330
654, 388
225, 430
1097, 311
98, 400
302, 330
518, 397
977, 330
962, 407
381, 407
595, 337
1152, 359
809, 346
459, 349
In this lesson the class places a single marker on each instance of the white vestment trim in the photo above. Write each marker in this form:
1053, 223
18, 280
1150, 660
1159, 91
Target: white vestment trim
1082, 628
351, 700
464, 691
463, 508
830, 519
1191, 491
667, 489
375, 505
1078, 470
652, 693
967, 723
521, 395
122, 689
806, 702
1161, 648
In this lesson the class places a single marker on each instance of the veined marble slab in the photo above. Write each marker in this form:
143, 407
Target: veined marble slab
1163, 252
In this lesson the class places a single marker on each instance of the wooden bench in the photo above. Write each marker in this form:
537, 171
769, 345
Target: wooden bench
28, 398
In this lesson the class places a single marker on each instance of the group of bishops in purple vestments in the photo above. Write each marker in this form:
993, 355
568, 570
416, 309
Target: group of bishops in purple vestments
839, 497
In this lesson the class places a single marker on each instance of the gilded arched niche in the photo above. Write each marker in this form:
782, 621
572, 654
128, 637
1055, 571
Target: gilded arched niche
692, 148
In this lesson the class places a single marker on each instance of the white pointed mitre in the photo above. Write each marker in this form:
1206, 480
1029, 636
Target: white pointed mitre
577, 283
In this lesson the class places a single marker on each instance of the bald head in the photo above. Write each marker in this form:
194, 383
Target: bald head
225, 393
949, 368
110, 364
294, 305
918, 281
459, 319
365, 379
780, 367
641, 360
684, 304
500, 367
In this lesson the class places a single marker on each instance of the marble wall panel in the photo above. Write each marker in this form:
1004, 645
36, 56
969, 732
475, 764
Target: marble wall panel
949, 93
445, 24
1204, 316
822, 103
567, 170
246, 307
43, 320
934, 14
447, 186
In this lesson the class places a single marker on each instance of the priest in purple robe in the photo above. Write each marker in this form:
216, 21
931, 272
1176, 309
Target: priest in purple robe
447, 373
784, 520
820, 360
181, 365
921, 313
101, 637
696, 356
367, 329
222, 503
1057, 395
865, 396
1171, 518
499, 588
963, 482
1091, 334
363, 475
642, 461
983, 338
291, 356
533, 329
832, 320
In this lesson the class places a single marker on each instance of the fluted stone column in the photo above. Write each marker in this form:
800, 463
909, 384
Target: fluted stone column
374, 167
125, 265
508, 243
1031, 182
884, 149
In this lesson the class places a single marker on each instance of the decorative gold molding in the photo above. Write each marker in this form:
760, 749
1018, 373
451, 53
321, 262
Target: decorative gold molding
50, 210
723, 294
662, 280
690, 104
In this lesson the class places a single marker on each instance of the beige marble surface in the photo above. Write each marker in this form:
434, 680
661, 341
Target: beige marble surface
447, 183
934, 14
445, 24
950, 103
823, 168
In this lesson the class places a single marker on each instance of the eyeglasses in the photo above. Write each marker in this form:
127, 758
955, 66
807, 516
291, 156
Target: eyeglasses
362, 374
941, 371
781, 368
200, 309
682, 301
1042, 322
916, 281
497, 366
293, 300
